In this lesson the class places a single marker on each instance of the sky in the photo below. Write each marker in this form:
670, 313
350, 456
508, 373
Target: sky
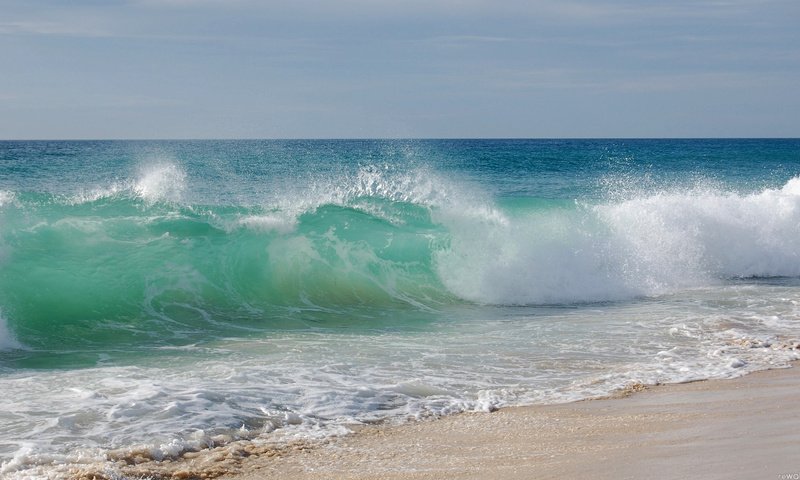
98, 69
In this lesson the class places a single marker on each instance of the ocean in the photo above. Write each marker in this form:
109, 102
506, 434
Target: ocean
164, 297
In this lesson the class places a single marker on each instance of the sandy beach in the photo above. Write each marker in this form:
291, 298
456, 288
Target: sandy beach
743, 428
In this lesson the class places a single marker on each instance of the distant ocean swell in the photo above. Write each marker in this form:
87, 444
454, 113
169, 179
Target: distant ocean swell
138, 261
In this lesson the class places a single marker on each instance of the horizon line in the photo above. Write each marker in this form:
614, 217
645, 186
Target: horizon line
288, 139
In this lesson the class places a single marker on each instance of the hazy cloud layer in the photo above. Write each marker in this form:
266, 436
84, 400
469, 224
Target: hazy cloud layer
381, 68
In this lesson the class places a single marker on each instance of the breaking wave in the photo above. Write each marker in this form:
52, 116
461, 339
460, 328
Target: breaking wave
138, 263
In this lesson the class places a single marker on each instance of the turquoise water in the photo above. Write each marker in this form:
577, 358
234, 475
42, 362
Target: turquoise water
165, 293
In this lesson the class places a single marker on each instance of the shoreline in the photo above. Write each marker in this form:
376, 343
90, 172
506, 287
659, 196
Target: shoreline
746, 427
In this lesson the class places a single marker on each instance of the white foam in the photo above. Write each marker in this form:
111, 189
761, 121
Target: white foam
647, 245
547, 257
716, 233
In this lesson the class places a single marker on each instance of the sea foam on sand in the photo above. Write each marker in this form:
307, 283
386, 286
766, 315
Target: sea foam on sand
747, 427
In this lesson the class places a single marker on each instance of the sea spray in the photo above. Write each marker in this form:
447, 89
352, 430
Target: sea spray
6, 197
162, 181
7, 339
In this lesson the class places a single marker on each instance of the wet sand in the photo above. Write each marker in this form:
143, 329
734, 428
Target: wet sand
743, 428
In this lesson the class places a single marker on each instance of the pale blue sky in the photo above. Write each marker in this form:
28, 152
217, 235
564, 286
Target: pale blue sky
413, 68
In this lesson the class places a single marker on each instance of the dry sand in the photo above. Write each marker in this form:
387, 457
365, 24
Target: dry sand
727, 429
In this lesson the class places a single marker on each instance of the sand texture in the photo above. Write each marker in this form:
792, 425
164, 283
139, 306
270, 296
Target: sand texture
743, 428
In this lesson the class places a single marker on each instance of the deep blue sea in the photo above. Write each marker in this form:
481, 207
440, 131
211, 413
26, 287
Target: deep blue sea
162, 297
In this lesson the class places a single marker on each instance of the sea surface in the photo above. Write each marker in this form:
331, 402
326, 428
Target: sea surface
159, 297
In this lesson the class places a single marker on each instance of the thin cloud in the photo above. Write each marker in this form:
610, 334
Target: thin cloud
196, 3
543, 78
425, 60
51, 28
469, 39
698, 81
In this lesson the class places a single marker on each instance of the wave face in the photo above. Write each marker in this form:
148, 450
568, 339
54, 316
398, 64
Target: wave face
120, 270
134, 261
